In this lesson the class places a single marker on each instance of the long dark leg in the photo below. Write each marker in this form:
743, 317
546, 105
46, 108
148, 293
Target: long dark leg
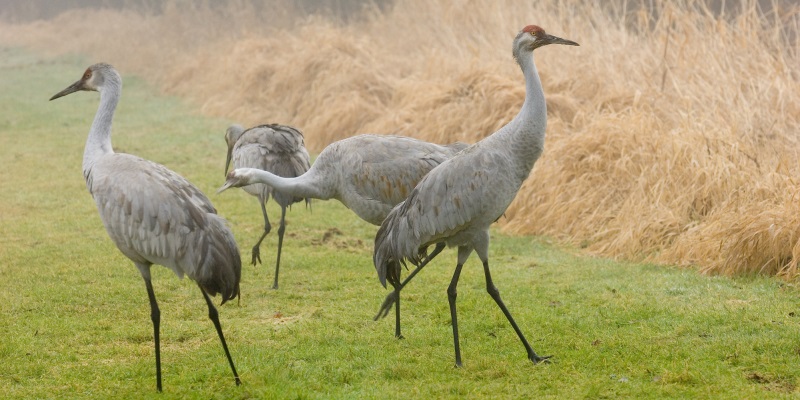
214, 316
281, 230
394, 296
267, 228
436, 250
496, 296
155, 315
396, 301
451, 297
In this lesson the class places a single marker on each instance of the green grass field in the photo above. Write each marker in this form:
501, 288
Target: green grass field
74, 316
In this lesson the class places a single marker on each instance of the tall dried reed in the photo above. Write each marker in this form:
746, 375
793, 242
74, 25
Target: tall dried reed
673, 131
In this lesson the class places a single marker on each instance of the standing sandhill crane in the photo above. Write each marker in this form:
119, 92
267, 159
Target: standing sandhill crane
154, 215
275, 148
458, 200
369, 174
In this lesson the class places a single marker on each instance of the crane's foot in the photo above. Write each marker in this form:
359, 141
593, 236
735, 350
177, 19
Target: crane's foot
387, 306
537, 359
256, 255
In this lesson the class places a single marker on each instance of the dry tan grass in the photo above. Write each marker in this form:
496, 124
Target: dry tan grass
671, 138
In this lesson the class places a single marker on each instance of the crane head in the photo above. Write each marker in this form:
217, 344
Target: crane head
232, 135
237, 178
532, 37
94, 78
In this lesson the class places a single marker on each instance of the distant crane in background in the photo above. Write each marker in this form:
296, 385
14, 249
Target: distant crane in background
369, 174
458, 200
278, 149
154, 215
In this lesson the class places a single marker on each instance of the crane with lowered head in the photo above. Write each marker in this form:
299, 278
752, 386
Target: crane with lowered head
278, 149
368, 173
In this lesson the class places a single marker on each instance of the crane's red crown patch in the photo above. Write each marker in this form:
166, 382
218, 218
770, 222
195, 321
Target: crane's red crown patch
533, 29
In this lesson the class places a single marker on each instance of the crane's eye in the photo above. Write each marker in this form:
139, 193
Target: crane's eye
87, 74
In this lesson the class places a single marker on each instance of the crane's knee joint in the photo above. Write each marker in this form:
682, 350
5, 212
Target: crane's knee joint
452, 292
213, 314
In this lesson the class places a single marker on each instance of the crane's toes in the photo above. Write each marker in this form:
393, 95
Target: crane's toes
543, 359
382, 313
256, 256
386, 306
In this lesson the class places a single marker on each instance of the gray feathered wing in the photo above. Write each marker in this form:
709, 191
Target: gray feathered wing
441, 206
155, 216
390, 166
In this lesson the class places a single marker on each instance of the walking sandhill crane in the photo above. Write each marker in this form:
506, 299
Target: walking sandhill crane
275, 148
458, 200
154, 215
369, 174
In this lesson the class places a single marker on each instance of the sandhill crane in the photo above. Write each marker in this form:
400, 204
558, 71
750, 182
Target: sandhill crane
275, 148
458, 200
154, 215
367, 173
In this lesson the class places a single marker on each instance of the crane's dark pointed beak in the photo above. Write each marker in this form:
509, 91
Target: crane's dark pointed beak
77, 86
226, 186
550, 39
228, 161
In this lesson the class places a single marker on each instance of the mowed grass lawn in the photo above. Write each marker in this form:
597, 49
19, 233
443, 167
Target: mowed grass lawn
74, 319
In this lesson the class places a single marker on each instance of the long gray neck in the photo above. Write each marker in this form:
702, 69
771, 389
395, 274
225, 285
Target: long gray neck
525, 133
534, 108
309, 185
99, 141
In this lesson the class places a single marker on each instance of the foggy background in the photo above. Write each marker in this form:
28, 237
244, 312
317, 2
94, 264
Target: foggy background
673, 130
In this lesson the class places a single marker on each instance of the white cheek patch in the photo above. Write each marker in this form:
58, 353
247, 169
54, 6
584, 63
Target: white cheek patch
89, 84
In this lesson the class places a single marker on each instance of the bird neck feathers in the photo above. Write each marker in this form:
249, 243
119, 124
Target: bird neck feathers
525, 133
99, 141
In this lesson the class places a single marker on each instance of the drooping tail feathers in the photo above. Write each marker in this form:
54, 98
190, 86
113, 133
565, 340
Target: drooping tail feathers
383, 257
221, 266
393, 247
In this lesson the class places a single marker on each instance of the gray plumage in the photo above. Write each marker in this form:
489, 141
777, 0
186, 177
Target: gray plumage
369, 174
278, 149
153, 215
457, 201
